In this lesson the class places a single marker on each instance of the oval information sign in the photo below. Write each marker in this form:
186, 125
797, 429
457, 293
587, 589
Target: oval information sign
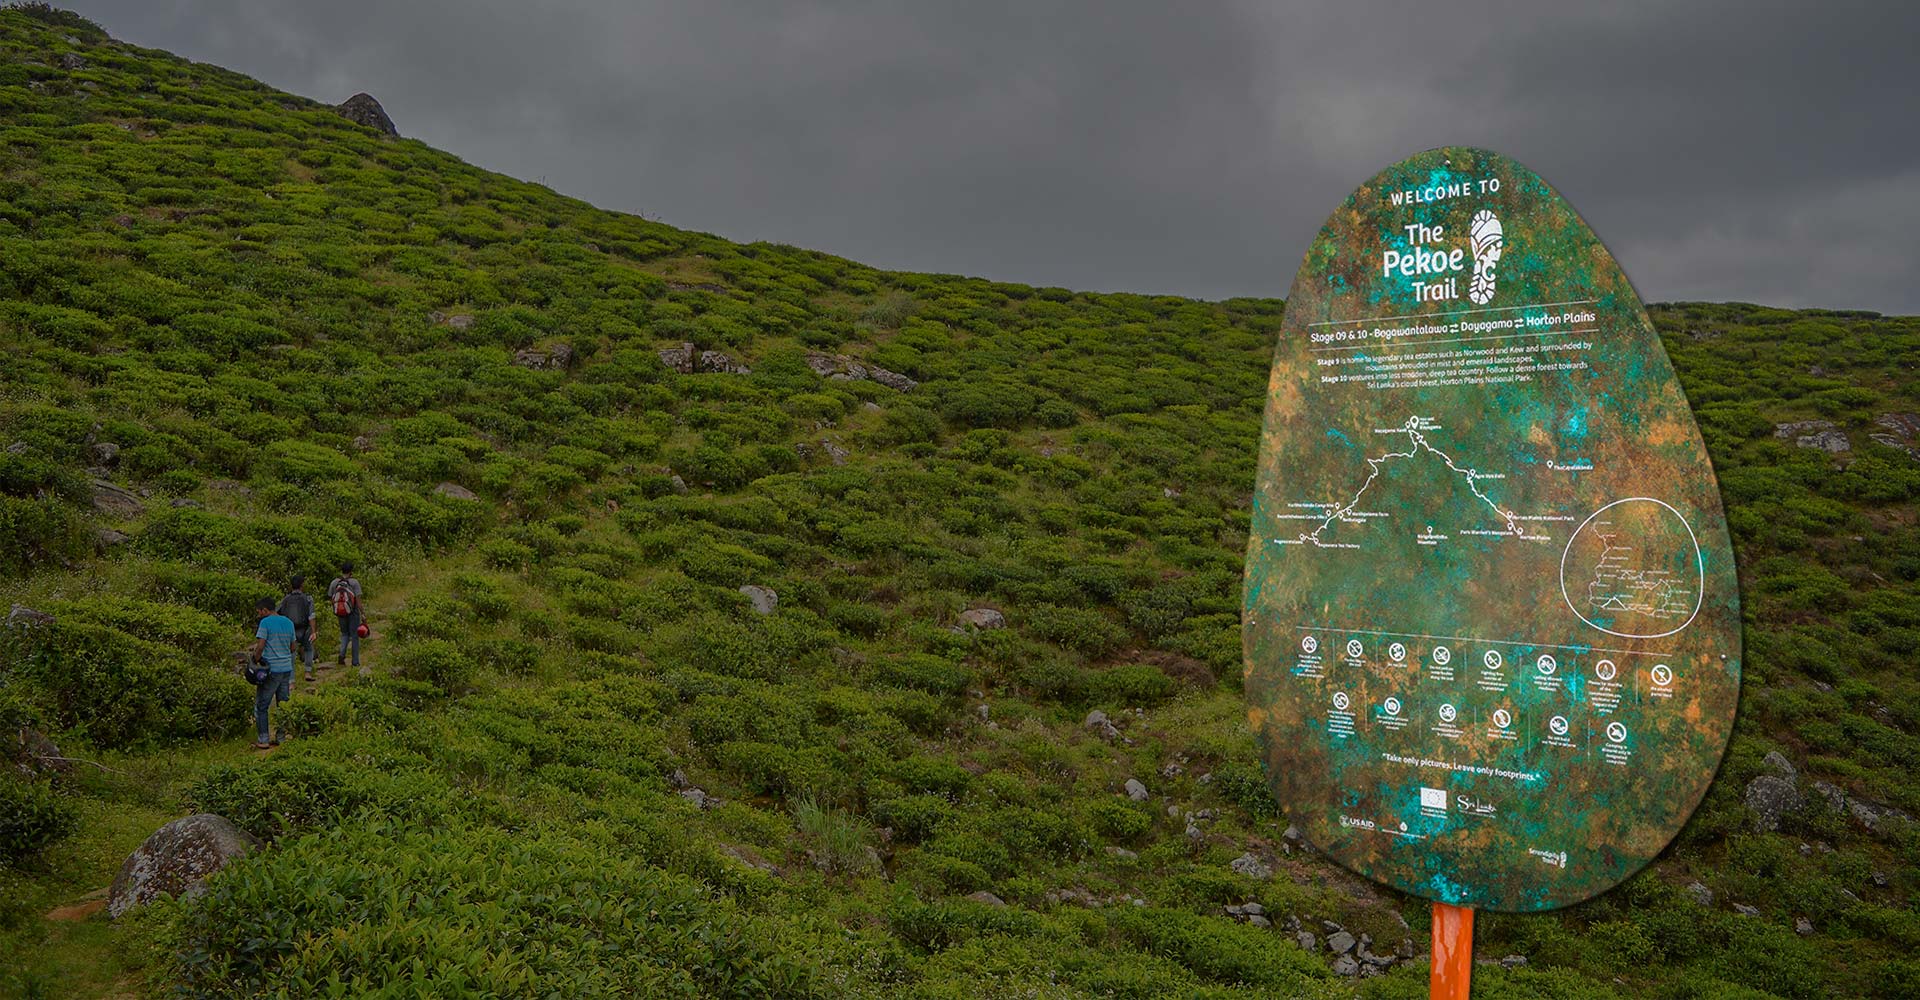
1492, 623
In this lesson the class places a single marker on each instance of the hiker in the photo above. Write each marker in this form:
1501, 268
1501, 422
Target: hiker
344, 594
297, 607
273, 646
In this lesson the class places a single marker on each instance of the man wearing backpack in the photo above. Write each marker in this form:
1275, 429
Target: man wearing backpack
297, 607
344, 594
273, 646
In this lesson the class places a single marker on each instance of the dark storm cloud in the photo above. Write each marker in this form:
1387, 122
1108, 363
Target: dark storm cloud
1723, 150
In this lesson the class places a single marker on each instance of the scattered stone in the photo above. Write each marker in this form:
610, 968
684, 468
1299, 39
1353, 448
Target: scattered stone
1879, 879
1173, 810
22, 616
34, 755
177, 860
835, 453
111, 499
463, 321
717, 361
679, 485
1307, 941
455, 491
19, 448
1404, 950
1898, 430
1514, 961
557, 357
1871, 814
839, 366
1700, 893
1123, 854
1340, 942
764, 599
1781, 765
1169, 492
1257, 920
991, 618
1135, 790
1251, 867
362, 109
1824, 435
1802, 926
1171, 771
696, 796
870, 406
1770, 797
678, 780
108, 538
184, 503
1745, 910
105, 452
71, 61
984, 713
1835, 796
983, 896
1346, 966
1293, 835
679, 359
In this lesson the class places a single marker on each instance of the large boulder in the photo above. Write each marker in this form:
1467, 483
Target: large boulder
1898, 430
177, 860
362, 109
116, 501
841, 367
764, 599
1770, 797
1823, 435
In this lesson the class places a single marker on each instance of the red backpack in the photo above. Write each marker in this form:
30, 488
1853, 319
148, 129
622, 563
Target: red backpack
344, 601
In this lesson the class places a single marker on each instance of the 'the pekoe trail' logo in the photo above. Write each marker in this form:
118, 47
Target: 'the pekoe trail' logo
1488, 240
1438, 270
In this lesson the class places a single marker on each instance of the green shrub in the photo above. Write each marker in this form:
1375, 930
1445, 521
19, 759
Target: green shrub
1119, 820
32, 816
913, 818
925, 672
1079, 629
1133, 685
439, 662
124, 692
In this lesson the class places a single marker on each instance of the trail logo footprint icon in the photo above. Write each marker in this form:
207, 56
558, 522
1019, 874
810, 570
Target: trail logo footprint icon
1488, 239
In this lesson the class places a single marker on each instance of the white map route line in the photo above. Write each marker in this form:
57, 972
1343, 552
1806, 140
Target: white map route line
1419, 442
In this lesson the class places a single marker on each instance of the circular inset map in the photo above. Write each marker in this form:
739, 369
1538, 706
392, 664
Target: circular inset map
1634, 569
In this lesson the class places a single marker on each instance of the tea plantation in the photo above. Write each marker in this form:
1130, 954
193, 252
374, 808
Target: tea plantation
245, 337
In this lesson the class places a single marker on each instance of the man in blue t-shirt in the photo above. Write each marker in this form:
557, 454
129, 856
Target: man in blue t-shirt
273, 646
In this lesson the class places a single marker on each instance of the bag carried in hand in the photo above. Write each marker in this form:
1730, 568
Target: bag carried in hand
255, 673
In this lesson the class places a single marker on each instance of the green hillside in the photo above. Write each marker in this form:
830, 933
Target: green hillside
244, 337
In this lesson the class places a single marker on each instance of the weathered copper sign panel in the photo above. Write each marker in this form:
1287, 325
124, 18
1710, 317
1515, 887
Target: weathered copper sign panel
1492, 623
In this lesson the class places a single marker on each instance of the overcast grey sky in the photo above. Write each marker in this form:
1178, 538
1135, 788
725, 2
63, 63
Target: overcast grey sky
1756, 151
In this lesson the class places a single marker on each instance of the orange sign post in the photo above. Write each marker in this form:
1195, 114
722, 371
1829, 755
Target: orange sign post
1452, 952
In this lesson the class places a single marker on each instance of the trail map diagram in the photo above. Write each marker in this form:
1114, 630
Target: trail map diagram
1634, 569
1324, 516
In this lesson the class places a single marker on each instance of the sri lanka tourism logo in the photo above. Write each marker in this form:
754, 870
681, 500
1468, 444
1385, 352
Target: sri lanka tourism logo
1437, 270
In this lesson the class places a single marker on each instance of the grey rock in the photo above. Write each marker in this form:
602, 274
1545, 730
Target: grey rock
105, 452
1346, 966
108, 538
1135, 790
870, 406
1404, 949
1173, 810
1170, 493
1340, 942
1194, 834
1879, 879
696, 796
720, 362
1123, 854
19, 448
679, 485
1307, 941
557, 357
1171, 771
1253, 909
764, 599
1700, 893
36, 756
1256, 920
1824, 435
1834, 795
1898, 430
1802, 926
678, 780
1514, 961
177, 860
71, 61
839, 366
1330, 927
1872, 814
983, 896
21, 616
835, 452
184, 503
1745, 910
1770, 797
1781, 765
455, 491
111, 499
679, 359
362, 109
1252, 867
464, 321
1292, 834
990, 618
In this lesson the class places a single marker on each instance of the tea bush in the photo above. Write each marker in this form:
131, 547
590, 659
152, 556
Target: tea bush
32, 815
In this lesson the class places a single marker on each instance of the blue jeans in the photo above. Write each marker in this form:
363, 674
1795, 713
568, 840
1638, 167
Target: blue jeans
277, 687
349, 637
303, 645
